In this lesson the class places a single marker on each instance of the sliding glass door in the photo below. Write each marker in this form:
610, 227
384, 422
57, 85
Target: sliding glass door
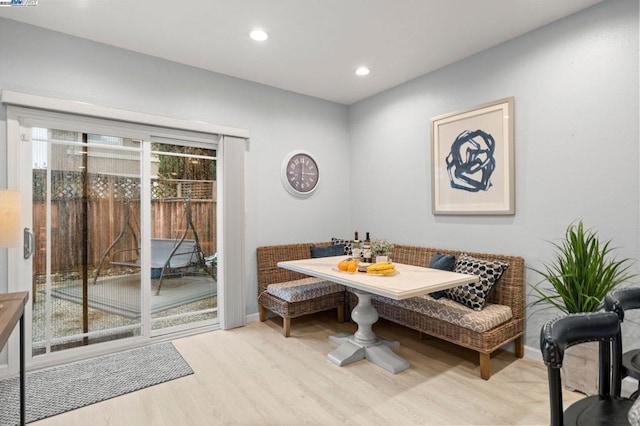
183, 234
85, 191
121, 233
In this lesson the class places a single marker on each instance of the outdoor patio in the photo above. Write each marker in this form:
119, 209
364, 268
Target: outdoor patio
115, 302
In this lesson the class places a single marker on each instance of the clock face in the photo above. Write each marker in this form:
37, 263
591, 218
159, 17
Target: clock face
300, 173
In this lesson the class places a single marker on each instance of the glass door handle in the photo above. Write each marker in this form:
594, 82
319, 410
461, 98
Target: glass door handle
29, 243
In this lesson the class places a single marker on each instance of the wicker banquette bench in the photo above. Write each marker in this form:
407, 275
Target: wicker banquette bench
291, 294
483, 331
499, 322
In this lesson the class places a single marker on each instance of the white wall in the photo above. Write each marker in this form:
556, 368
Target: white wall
575, 84
46, 63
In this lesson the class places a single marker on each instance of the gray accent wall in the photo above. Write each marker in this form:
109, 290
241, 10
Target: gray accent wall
575, 84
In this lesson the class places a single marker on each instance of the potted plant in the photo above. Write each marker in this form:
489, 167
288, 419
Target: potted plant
381, 249
582, 272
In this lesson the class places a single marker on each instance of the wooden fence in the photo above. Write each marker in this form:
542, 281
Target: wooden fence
105, 220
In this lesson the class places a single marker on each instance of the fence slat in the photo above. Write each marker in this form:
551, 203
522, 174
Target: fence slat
106, 219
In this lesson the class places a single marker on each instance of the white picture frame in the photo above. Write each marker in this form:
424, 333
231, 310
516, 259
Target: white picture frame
472, 160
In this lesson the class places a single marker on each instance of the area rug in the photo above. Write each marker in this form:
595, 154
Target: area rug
59, 389
121, 295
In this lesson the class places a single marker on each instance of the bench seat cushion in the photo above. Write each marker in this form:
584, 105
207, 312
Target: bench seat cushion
453, 312
303, 289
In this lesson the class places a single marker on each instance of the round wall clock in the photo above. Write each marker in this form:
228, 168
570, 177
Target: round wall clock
300, 174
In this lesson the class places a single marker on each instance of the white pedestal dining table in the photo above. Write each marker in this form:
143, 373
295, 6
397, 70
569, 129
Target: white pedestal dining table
408, 281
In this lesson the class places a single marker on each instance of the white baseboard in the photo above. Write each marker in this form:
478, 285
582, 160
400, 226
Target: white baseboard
532, 353
252, 318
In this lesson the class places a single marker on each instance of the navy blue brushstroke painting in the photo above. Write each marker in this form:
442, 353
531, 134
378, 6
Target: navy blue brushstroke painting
470, 163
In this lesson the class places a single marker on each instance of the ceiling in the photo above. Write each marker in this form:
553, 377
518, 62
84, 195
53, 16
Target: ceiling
314, 45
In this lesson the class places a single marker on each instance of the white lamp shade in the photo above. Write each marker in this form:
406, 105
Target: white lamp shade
9, 218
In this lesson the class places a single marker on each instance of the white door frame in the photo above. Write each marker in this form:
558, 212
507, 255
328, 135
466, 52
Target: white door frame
17, 265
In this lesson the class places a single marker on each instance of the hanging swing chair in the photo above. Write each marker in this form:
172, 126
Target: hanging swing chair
168, 256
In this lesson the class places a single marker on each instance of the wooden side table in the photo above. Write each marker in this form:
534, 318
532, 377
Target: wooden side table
11, 310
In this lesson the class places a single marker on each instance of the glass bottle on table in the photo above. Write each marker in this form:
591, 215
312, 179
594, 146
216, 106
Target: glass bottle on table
356, 249
366, 250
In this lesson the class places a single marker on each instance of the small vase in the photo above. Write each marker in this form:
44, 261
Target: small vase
382, 258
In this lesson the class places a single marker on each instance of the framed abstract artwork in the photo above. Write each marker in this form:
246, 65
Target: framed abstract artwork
472, 161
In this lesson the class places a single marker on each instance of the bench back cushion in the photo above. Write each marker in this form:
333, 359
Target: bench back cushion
509, 290
328, 251
475, 295
269, 256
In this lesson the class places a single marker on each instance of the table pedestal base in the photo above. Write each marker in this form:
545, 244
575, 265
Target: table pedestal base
364, 344
378, 352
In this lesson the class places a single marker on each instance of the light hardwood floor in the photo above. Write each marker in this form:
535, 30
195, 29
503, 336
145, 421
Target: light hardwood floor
254, 376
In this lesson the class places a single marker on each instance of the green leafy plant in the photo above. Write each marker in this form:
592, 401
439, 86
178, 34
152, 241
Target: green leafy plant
581, 274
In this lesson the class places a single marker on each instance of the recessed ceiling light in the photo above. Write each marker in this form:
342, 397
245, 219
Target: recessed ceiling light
362, 71
259, 35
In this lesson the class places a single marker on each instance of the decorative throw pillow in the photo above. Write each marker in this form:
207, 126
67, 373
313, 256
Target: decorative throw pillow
346, 243
332, 250
475, 295
444, 263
